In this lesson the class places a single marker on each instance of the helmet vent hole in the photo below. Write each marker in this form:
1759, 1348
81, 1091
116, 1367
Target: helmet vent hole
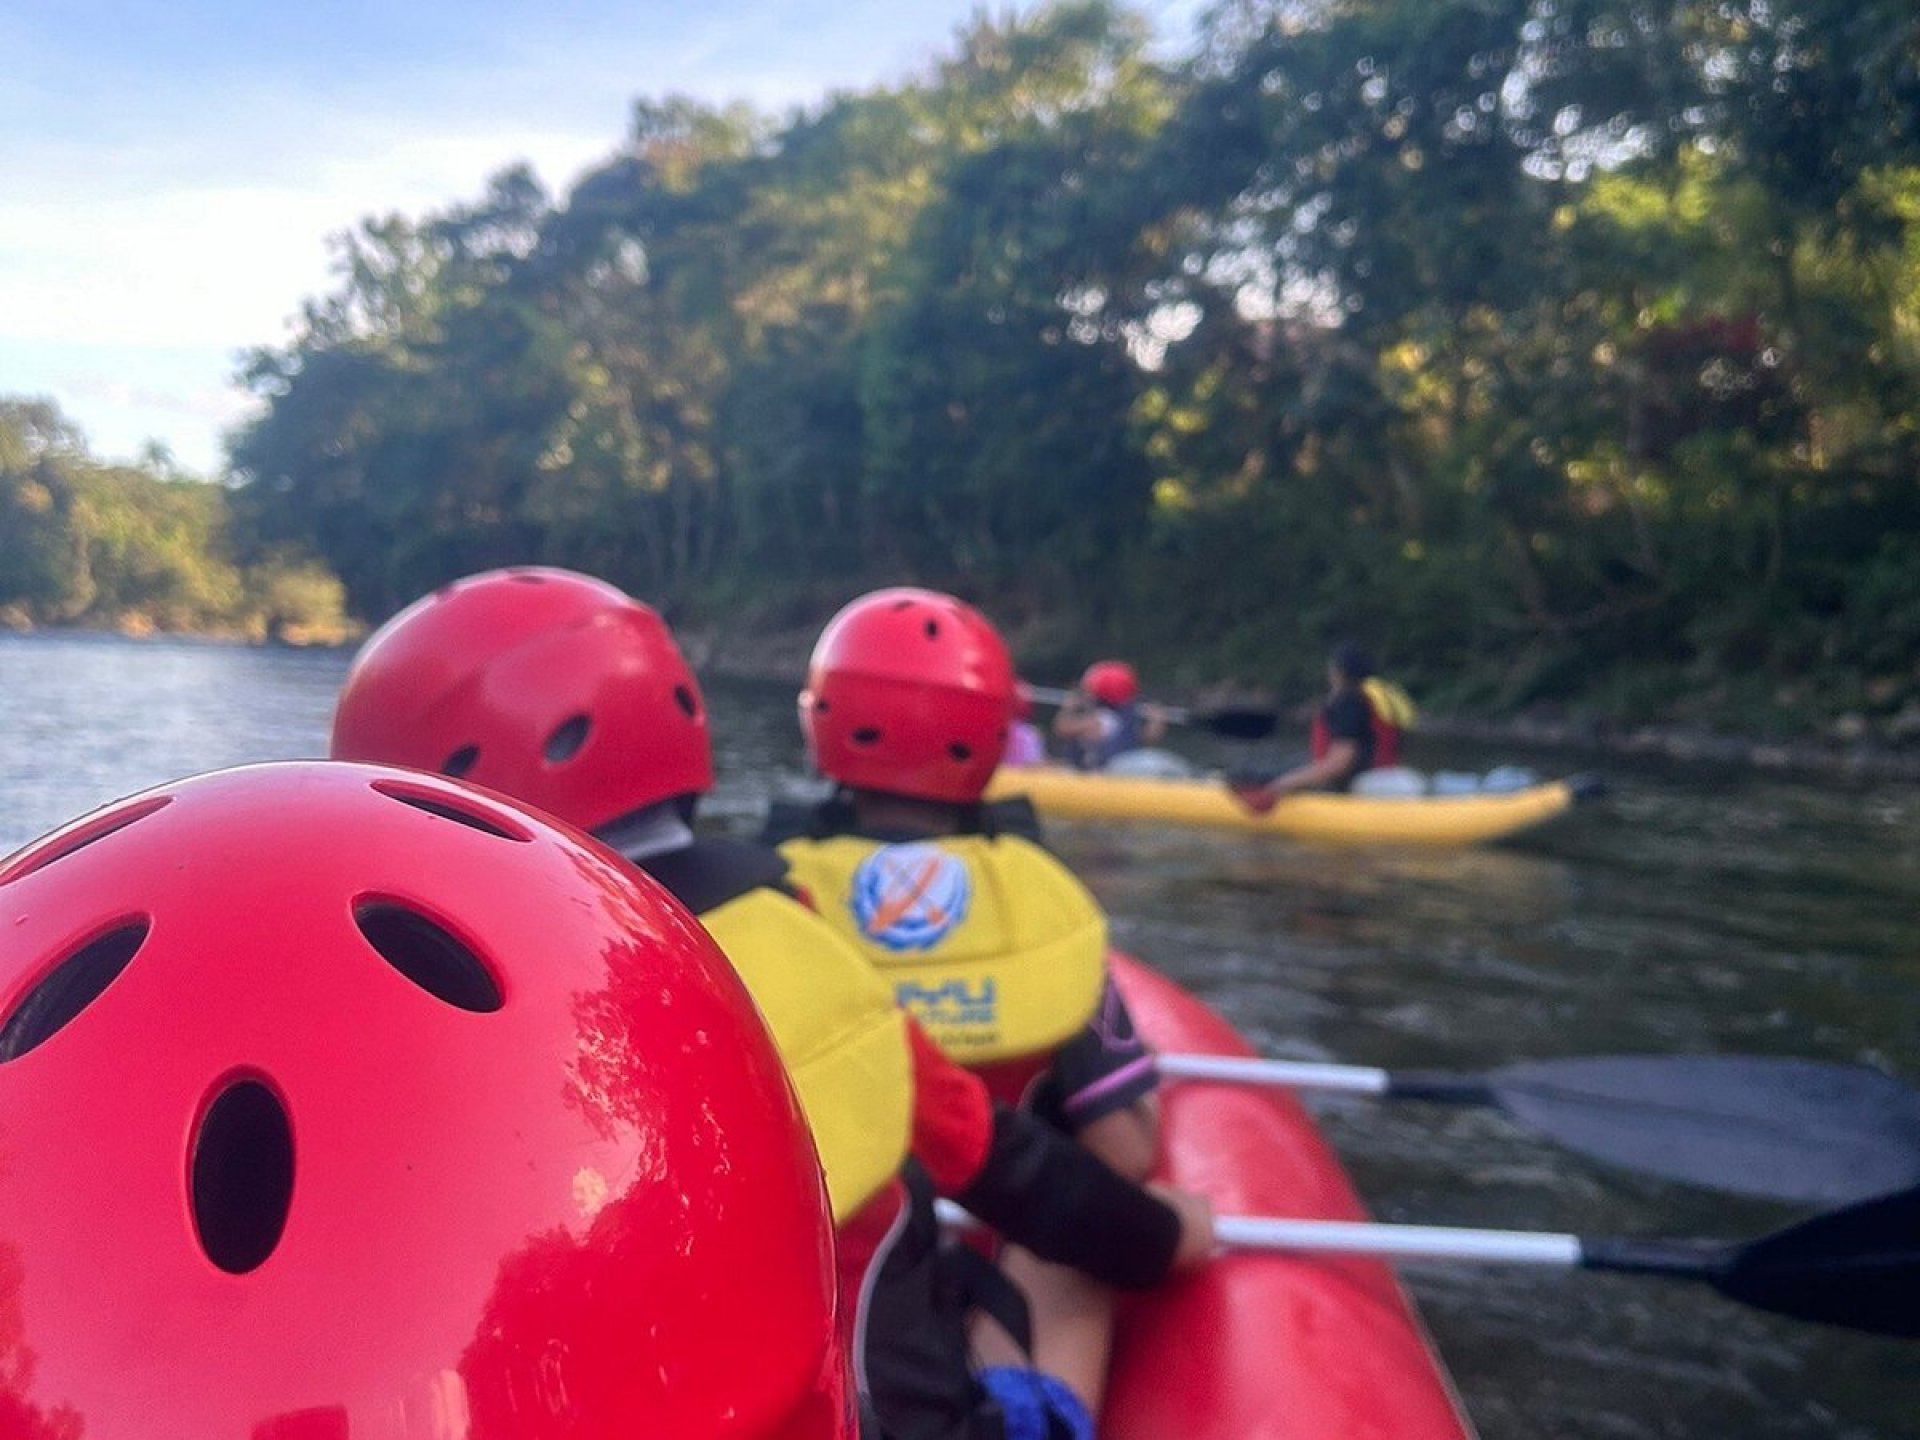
932, 627
962, 753
446, 809
683, 697
86, 835
461, 761
565, 742
242, 1177
73, 984
867, 735
429, 955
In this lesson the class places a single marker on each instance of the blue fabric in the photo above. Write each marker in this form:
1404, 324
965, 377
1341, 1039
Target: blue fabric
1035, 1405
1121, 729
1123, 737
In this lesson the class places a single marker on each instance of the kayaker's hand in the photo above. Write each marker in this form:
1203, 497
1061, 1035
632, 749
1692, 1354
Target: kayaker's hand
1196, 1226
1257, 798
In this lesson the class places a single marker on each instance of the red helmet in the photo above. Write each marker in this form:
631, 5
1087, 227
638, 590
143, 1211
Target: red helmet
909, 692
338, 1100
1111, 682
558, 689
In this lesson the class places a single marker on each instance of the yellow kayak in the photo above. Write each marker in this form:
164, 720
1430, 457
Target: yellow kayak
1341, 819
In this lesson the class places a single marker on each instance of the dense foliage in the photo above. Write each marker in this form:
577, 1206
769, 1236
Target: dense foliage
138, 548
1563, 348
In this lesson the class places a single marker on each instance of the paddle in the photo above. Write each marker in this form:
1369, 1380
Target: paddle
1785, 1129
1234, 724
1858, 1267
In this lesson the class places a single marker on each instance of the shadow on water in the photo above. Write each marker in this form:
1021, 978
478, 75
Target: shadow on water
1692, 910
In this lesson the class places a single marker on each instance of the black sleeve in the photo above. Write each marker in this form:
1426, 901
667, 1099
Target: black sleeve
1349, 717
1105, 1067
1041, 1190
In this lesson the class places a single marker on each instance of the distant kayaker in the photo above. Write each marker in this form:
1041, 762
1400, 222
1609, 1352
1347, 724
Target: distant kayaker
1104, 717
565, 692
353, 1109
1356, 728
1026, 746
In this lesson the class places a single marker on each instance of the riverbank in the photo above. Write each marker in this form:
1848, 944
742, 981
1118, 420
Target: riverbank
142, 625
1850, 747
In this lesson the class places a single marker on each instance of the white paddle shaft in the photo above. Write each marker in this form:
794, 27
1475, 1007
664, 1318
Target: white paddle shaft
1348, 1237
1293, 1074
1047, 695
1407, 1242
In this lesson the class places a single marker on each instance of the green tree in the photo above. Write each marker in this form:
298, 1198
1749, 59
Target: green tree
137, 547
998, 375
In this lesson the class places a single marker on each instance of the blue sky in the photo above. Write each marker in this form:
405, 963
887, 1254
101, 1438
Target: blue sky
170, 170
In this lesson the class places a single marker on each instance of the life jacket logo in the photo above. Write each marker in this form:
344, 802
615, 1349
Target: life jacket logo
910, 897
950, 1004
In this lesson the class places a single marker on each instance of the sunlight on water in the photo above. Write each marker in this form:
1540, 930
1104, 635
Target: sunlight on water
87, 719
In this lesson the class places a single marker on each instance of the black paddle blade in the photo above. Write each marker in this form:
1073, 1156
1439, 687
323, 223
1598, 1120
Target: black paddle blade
1784, 1129
1238, 724
1858, 1267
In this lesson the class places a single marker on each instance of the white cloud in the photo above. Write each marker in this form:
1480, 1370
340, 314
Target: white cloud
210, 230
206, 262
218, 404
179, 223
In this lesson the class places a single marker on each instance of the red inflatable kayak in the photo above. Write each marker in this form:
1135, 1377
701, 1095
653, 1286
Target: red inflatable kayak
1263, 1347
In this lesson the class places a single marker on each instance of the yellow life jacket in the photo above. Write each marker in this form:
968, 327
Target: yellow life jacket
843, 1039
1390, 702
991, 942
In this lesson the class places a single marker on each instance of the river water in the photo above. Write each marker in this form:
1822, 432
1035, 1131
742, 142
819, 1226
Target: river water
1692, 910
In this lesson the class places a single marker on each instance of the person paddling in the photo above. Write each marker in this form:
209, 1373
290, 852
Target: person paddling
1103, 719
568, 694
346, 1101
991, 942
1356, 728
987, 938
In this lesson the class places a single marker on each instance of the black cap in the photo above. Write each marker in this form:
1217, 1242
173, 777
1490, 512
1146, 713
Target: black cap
1352, 661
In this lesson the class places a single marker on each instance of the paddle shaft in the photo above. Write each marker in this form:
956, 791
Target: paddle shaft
1047, 695
1684, 1259
1232, 724
1350, 1237
1857, 1267
1337, 1079
1407, 1242
1810, 1132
